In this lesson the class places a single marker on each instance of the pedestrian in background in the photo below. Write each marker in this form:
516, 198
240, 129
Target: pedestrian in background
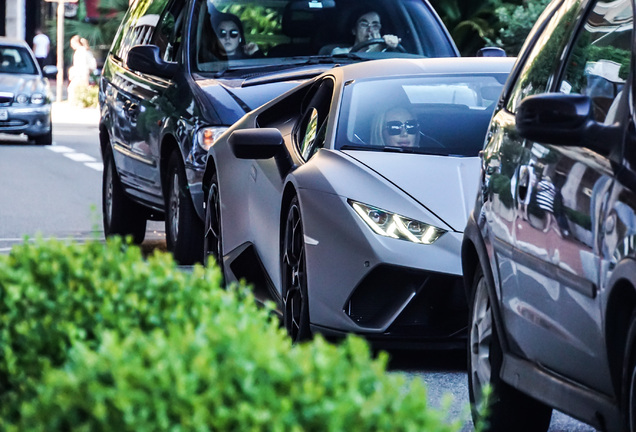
41, 47
79, 72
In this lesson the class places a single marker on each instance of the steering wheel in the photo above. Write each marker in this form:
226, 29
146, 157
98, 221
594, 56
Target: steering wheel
378, 41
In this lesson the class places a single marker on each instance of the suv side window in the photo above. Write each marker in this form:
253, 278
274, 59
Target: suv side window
141, 21
167, 36
599, 61
537, 71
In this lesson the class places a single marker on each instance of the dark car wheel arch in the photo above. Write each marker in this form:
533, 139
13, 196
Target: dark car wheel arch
619, 309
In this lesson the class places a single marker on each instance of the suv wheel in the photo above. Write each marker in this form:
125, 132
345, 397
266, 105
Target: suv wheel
507, 408
121, 215
184, 228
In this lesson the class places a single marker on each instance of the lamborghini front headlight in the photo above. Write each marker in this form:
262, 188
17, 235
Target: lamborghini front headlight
393, 225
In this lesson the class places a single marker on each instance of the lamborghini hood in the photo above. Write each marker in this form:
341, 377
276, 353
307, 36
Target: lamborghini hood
445, 185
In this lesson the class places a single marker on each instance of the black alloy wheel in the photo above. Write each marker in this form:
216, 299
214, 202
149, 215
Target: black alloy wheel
507, 409
184, 228
294, 276
121, 216
212, 244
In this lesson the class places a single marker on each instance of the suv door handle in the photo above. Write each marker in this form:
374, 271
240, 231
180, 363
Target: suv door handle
132, 110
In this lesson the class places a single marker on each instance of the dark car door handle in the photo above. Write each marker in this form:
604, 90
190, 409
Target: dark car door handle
132, 110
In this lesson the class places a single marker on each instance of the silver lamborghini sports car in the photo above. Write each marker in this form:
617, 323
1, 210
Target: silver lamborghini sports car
344, 199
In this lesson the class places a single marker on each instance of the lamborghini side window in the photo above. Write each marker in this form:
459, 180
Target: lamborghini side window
313, 123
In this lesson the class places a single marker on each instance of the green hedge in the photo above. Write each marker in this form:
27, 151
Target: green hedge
96, 337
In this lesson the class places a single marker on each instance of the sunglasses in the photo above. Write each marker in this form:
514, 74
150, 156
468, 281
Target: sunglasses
395, 127
232, 33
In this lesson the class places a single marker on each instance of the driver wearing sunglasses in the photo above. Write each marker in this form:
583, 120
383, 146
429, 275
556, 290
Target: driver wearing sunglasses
397, 127
230, 38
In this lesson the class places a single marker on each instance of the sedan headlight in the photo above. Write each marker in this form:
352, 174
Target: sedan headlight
393, 225
22, 99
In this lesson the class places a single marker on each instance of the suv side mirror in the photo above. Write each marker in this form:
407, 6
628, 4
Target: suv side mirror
562, 119
146, 59
262, 143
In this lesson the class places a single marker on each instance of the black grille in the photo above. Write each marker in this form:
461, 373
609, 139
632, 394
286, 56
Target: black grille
6, 99
437, 305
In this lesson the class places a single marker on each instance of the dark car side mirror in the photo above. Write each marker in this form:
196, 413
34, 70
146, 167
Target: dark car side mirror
262, 143
146, 59
561, 119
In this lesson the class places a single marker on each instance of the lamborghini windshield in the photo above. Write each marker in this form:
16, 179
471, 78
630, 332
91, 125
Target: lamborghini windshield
432, 114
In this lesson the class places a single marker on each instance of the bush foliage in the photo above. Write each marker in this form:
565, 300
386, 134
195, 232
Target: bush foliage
95, 337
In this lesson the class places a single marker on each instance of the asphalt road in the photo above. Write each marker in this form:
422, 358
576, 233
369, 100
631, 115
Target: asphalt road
55, 191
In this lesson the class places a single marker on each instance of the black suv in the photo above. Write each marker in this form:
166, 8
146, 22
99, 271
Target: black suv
549, 253
168, 90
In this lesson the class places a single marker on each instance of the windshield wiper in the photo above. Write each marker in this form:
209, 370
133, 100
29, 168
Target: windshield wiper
376, 148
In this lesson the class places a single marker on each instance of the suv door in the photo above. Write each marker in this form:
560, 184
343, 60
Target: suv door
560, 194
143, 105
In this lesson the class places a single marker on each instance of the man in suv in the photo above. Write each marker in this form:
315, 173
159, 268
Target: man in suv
549, 250
169, 88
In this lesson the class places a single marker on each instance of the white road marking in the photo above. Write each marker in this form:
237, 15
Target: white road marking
70, 153
97, 166
60, 149
79, 157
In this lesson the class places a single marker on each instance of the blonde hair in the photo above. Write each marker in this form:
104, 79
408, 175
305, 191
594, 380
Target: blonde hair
379, 122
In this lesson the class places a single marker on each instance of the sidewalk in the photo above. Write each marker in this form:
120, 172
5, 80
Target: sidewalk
67, 113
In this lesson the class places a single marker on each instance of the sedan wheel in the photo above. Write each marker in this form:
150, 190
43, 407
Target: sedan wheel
212, 245
121, 216
296, 304
507, 408
184, 228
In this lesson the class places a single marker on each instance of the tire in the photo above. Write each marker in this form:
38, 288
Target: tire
212, 243
121, 216
46, 139
294, 276
184, 228
628, 399
508, 409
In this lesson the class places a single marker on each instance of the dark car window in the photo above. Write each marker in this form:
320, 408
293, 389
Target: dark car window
599, 62
140, 23
537, 71
167, 36
292, 31
436, 106
16, 60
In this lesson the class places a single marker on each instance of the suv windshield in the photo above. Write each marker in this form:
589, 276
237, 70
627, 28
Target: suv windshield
15, 60
246, 34
423, 115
